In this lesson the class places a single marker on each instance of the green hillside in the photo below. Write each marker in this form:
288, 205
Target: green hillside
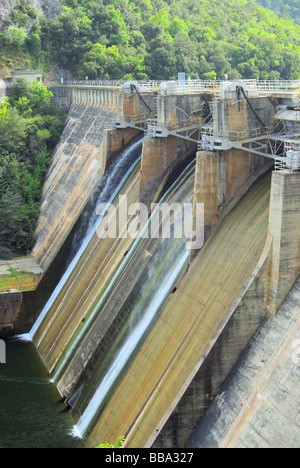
120, 39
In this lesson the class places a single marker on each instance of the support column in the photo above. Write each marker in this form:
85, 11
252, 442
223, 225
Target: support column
162, 159
284, 227
221, 179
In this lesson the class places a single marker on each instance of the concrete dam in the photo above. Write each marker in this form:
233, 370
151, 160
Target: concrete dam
164, 340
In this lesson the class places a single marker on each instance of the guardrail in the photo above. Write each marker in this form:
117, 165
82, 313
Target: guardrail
238, 136
190, 86
143, 85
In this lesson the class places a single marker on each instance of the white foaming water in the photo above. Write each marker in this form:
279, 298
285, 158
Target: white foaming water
91, 232
132, 341
75, 433
23, 337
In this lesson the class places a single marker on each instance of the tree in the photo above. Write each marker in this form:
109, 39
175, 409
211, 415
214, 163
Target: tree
13, 130
40, 94
23, 106
178, 26
14, 237
118, 444
17, 37
161, 62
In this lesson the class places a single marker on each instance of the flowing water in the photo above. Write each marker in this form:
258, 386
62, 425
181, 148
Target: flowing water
133, 338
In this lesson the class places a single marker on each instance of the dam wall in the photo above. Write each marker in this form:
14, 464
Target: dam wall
148, 392
77, 167
162, 160
170, 350
143, 333
166, 155
257, 405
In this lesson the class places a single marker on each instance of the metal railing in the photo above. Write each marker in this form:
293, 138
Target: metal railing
285, 165
186, 123
95, 83
237, 135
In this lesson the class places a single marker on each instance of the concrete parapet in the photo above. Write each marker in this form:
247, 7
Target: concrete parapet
105, 98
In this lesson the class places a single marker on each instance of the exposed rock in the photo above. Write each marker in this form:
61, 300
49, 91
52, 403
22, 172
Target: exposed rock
50, 8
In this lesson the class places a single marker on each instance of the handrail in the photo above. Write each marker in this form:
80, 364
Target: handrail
190, 85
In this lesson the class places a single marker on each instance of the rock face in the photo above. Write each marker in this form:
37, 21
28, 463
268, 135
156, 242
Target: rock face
5, 7
50, 8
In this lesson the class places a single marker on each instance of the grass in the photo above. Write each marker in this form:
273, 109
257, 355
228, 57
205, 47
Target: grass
17, 281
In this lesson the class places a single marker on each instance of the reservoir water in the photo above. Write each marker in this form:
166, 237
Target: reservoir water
31, 412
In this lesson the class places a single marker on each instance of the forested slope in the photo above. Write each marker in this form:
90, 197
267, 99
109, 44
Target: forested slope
29, 130
121, 39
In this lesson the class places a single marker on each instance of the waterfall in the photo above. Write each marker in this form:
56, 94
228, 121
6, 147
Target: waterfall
109, 188
131, 343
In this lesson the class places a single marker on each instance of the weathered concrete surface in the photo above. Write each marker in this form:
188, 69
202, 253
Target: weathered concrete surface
174, 111
232, 117
2, 90
242, 319
78, 165
162, 157
138, 405
258, 406
256, 299
116, 139
14, 316
16, 277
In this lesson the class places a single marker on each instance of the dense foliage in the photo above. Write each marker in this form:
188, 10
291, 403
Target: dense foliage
28, 133
121, 39
285, 8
